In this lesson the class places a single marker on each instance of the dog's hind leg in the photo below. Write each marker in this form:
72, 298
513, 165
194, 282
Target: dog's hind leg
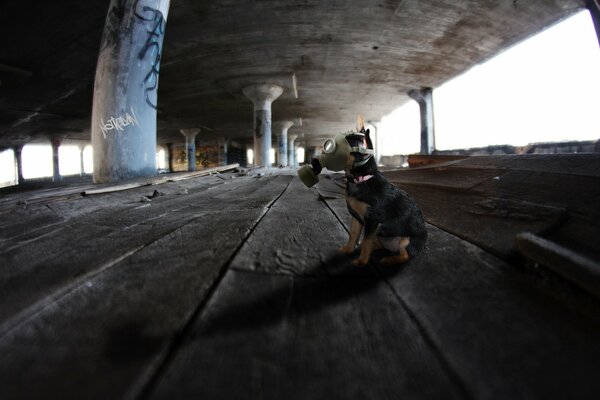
400, 258
368, 246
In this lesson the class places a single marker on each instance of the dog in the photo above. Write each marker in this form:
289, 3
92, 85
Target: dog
390, 218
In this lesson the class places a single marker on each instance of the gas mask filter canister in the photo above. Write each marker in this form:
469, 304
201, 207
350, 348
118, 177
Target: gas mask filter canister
334, 157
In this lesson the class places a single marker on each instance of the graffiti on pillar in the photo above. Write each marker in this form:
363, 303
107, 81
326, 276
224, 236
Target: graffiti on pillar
262, 122
156, 21
119, 123
258, 126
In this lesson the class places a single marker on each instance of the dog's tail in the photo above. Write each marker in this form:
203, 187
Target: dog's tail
417, 244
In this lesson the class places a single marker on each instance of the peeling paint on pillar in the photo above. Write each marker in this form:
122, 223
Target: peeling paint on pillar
125, 90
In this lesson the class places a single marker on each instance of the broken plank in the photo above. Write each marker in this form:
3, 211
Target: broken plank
158, 180
578, 269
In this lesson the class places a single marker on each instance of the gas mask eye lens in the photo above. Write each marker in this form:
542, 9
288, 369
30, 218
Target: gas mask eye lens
329, 146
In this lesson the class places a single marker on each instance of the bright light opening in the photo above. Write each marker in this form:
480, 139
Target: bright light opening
542, 90
37, 161
88, 159
401, 131
272, 156
300, 154
69, 160
250, 156
161, 158
8, 170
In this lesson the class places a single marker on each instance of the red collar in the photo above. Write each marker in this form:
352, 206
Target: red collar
361, 179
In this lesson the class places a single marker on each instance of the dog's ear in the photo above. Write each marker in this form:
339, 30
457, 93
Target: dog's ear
360, 124
368, 138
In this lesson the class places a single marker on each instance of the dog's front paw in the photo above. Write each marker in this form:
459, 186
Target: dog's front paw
346, 249
359, 261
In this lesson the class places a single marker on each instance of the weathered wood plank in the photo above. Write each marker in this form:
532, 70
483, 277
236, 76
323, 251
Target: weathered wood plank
450, 177
99, 240
578, 269
571, 164
25, 222
108, 333
277, 336
503, 337
299, 236
491, 223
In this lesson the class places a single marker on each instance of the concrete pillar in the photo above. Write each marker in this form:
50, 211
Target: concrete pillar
282, 127
225, 151
19, 159
292, 151
170, 156
309, 153
424, 98
594, 8
81, 163
262, 95
125, 90
190, 145
376, 139
55, 141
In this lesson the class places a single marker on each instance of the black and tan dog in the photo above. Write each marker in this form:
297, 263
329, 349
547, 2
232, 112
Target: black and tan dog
390, 218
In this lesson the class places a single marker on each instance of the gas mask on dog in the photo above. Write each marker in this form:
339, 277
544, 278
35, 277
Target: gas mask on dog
335, 156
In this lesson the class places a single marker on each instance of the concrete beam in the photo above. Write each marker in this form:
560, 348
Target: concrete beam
424, 97
125, 90
262, 96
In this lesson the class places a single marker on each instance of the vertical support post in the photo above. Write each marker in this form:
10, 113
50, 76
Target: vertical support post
262, 96
19, 158
170, 156
81, 163
225, 151
282, 127
424, 97
292, 150
309, 153
594, 8
190, 145
125, 90
375, 138
55, 141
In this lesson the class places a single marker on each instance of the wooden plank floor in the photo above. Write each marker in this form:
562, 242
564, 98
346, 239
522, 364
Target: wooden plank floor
228, 287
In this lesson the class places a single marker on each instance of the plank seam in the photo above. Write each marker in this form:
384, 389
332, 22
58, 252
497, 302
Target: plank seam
427, 338
31, 311
147, 383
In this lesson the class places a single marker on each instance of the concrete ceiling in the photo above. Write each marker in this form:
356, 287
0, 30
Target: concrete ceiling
346, 57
